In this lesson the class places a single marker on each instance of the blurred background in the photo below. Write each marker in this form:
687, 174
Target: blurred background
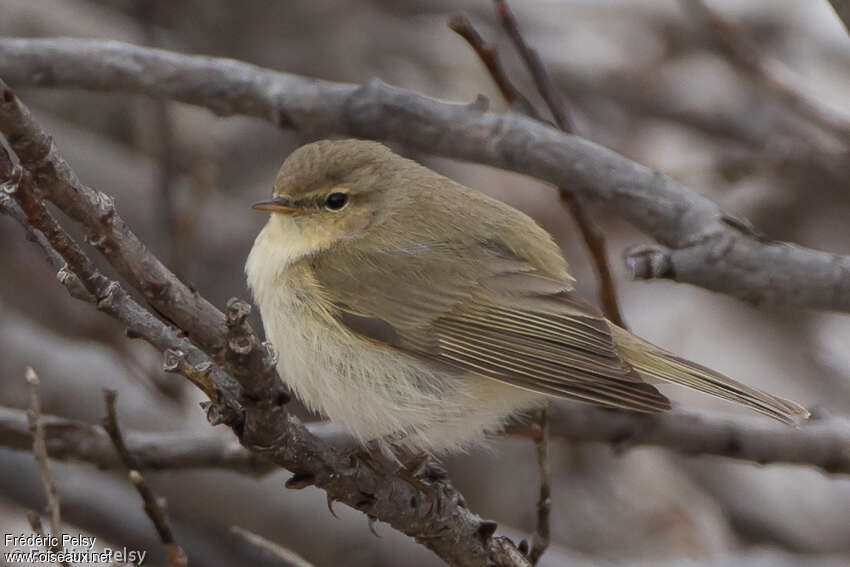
643, 77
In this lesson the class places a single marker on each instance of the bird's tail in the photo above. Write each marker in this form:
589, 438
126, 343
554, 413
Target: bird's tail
657, 365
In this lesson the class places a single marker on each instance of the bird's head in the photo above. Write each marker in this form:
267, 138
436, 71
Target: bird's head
334, 190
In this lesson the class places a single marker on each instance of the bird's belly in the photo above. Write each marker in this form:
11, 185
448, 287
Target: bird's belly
372, 390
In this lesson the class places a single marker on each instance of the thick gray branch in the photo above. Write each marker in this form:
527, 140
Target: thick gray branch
708, 251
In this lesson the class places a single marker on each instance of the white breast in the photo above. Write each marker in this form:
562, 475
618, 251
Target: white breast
373, 391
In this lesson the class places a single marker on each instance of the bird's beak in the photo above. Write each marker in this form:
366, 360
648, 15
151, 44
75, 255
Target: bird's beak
276, 205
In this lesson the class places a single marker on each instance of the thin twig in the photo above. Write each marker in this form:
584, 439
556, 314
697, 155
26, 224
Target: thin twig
39, 449
34, 521
535, 66
489, 56
593, 238
154, 506
285, 557
540, 540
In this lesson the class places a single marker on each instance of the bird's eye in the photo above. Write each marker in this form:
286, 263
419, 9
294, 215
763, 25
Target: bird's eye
336, 201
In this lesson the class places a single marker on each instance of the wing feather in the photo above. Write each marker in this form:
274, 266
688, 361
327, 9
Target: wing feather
499, 317
501, 364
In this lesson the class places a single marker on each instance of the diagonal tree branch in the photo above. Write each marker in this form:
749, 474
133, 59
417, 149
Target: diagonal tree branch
167, 295
700, 244
84, 281
435, 515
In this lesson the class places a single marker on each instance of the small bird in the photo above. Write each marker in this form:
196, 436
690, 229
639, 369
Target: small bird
420, 314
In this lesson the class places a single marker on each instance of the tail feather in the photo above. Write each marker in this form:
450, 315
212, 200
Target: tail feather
655, 364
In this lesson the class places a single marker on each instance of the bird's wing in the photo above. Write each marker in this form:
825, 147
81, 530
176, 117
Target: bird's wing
498, 316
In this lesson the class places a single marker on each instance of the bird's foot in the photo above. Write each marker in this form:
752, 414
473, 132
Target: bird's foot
424, 473
366, 455
420, 470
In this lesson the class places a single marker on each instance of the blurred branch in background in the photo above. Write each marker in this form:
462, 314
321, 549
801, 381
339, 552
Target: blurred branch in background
38, 529
821, 443
285, 557
166, 152
699, 243
39, 450
76, 441
542, 533
776, 77
154, 506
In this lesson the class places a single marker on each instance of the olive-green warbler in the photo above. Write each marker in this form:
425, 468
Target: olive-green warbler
420, 314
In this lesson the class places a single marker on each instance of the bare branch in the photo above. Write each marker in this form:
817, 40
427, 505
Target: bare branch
9, 207
820, 442
591, 234
108, 296
536, 68
594, 240
39, 449
34, 521
285, 557
544, 501
154, 507
707, 251
170, 297
665, 209
70, 440
434, 514
489, 56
